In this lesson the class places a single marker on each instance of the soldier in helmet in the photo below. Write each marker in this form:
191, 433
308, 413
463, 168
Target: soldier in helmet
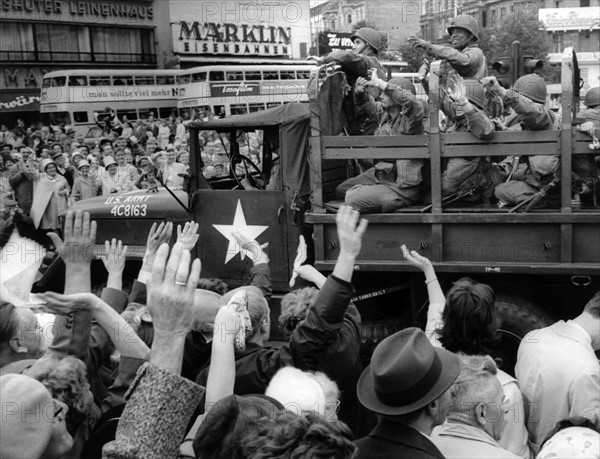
357, 63
390, 184
463, 103
463, 56
527, 99
585, 169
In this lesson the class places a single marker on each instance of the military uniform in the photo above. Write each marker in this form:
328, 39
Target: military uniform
392, 184
532, 116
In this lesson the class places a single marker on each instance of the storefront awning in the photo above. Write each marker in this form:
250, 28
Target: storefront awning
19, 100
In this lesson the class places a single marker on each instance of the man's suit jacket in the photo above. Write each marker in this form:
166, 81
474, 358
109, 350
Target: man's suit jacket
391, 440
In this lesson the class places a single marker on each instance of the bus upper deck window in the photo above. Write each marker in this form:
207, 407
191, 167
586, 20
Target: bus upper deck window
46, 82
123, 81
288, 75
165, 79
271, 75
99, 81
198, 77
185, 79
235, 76
252, 75
59, 81
302, 74
144, 80
217, 76
79, 80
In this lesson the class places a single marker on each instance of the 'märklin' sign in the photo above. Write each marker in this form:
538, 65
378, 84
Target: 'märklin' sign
237, 39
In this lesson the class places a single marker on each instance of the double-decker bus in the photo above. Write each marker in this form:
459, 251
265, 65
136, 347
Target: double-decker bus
226, 90
72, 96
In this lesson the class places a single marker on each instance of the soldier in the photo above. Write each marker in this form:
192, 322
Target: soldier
357, 63
463, 104
527, 98
391, 184
464, 56
585, 169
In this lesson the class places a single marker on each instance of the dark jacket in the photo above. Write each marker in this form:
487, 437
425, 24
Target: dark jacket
22, 183
307, 346
391, 440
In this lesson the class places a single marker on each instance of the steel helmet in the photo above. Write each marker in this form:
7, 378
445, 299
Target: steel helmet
592, 97
475, 93
404, 84
370, 36
532, 86
465, 22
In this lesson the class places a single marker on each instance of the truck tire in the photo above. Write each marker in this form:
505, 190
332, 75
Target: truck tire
518, 317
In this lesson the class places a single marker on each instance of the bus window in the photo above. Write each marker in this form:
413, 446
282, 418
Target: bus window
198, 77
253, 75
287, 75
256, 107
80, 117
273, 104
144, 113
235, 76
302, 74
59, 81
165, 79
185, 79
56, 118
239, 109
123, 81
271, 75
217, 76
99, 81
46, 82
129, 113
79, 80
165, 112
144, 80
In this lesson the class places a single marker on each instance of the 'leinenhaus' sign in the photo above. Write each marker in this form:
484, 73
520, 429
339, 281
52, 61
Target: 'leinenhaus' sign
257, 31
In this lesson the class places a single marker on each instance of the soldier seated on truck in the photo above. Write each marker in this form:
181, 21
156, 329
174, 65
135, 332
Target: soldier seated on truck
357, 63
585, 169
463, 103
527, 99
390, 184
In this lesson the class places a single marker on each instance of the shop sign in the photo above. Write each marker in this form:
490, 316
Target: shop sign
228, 38
555, 19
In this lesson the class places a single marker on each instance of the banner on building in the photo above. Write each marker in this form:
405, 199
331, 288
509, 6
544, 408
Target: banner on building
557, 19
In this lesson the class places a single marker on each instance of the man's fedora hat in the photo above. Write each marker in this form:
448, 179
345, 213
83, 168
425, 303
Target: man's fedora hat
406, 374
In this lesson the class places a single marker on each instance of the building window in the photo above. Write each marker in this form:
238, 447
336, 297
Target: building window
557, 4
62, 43
16, 42
502, 12
349, 19
75, 43
584, 3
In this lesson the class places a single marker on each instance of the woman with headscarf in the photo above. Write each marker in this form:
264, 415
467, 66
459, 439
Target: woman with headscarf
49, 197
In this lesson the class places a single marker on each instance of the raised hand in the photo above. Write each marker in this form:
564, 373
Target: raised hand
415, 259
351, 229
77, 249
301, 254
456, 89
360, 85
188, 236
171, 291
491, 85
159, 234
257, 253
416, 42
114, 256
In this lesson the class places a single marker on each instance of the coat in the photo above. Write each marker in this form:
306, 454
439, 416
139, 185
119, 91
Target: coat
392, 440
48, 202
22, 183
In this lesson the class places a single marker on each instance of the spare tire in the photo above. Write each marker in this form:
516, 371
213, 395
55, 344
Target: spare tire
518, 317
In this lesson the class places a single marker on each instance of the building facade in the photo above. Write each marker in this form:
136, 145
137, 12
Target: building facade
37, 36
236, 32
396, 20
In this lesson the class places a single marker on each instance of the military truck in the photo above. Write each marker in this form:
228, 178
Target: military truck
543, 264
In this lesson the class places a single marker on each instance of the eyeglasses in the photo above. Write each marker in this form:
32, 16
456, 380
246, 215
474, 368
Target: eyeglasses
60, 410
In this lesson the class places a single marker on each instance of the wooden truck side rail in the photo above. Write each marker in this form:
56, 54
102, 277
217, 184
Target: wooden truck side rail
564, 240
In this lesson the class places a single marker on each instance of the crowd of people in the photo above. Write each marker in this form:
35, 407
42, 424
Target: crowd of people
176, 365
45, 170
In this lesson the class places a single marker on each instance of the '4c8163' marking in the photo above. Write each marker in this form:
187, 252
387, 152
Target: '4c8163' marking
129, 210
